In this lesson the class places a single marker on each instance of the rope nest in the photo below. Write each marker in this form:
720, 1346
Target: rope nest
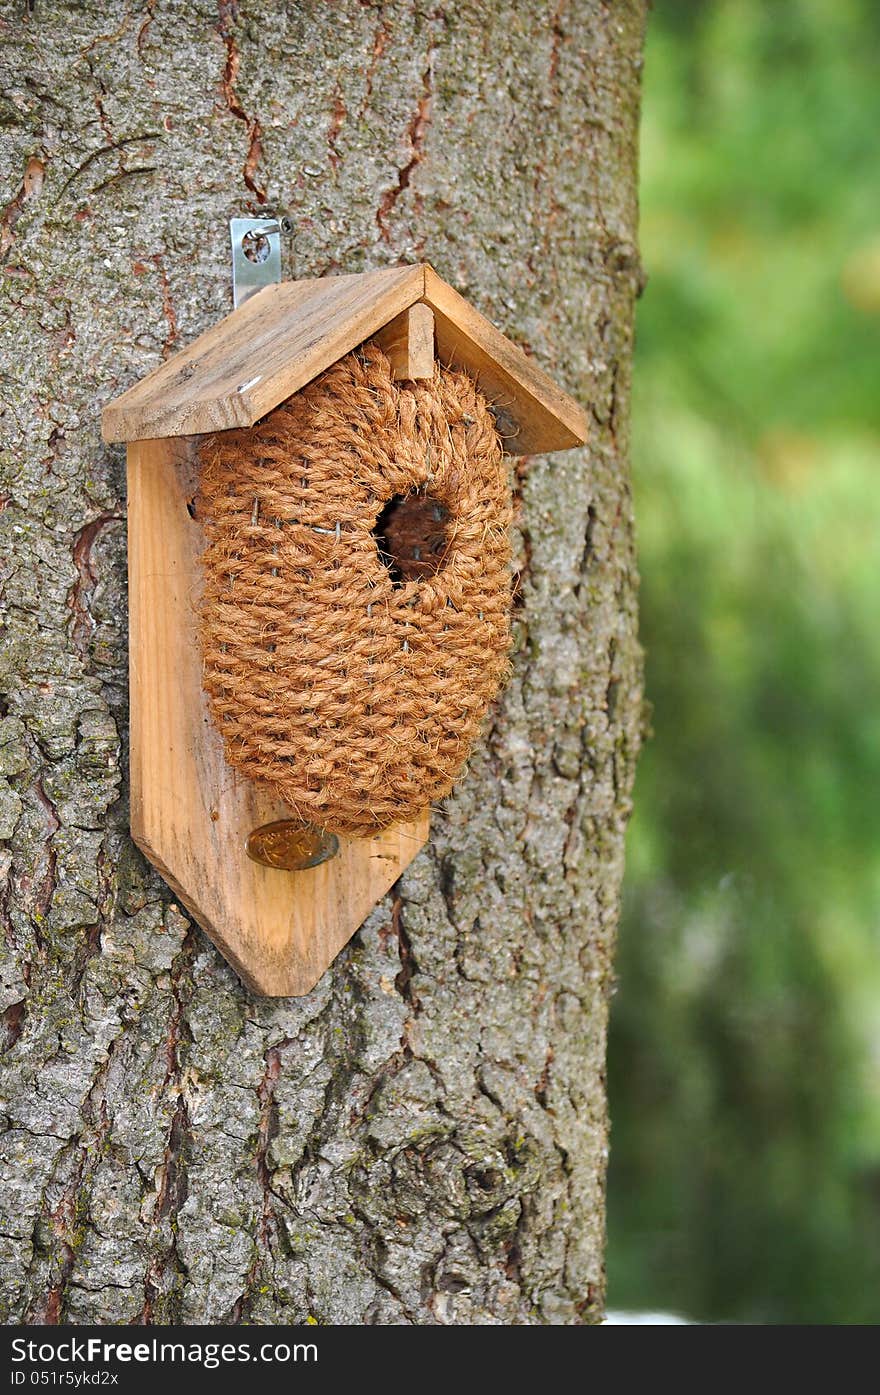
355, 619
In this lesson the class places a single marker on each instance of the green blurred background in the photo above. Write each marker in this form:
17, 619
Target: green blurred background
745, 1045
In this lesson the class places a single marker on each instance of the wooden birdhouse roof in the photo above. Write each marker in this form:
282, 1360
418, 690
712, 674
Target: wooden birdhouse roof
285, 335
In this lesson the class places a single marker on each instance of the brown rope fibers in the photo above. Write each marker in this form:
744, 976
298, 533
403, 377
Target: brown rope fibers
355, 620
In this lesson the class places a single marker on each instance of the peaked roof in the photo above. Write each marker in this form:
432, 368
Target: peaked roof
285, 335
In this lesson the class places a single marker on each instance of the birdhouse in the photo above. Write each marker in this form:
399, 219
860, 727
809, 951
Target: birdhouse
319, 592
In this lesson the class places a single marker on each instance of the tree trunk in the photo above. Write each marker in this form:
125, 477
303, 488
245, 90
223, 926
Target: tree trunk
423, 1138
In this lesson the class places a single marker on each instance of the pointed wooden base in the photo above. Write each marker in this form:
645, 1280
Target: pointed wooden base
190, 812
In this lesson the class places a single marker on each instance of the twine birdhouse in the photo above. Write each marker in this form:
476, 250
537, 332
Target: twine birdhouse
319, 577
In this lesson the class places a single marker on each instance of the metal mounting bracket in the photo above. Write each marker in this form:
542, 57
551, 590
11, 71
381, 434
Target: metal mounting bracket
256, 255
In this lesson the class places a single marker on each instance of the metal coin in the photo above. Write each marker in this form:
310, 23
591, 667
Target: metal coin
290, 846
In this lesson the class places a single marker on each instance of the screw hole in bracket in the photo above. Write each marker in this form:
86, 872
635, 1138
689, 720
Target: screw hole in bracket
255, 246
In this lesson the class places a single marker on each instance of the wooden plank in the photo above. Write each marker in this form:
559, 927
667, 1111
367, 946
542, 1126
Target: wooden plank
190, 812
408, 342
535, 415
261, 353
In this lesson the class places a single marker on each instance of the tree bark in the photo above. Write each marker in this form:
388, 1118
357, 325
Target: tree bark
423, 1138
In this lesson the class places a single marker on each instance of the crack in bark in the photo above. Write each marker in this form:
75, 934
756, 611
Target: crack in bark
80, 593
416, 134
104, 120
66, 1219
542, 1084
176, 1021
13, 1024
102, 38
172, 1187
267, 1130
9, 935
589, 550
380, 43
30, 187
149, 16
540, 254
167, 306
90, 943
521, 467
106, 150
408, 966
377, 1251
513, 1259
337, 121
227, 19
120, 175
558, 40
46, 889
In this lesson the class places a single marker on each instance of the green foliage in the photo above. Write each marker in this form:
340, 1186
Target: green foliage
745, 1089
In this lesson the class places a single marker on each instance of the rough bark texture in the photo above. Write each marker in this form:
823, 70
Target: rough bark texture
423, 1138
